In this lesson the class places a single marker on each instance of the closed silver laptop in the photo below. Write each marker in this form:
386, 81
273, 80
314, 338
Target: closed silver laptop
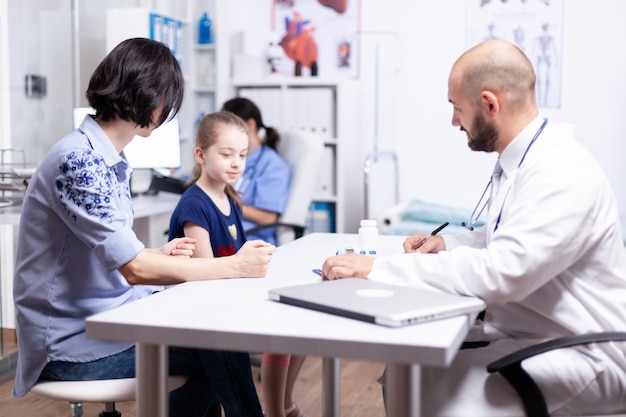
375, 302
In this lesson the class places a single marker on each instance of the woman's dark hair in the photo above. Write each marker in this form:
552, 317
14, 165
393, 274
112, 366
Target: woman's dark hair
138, 77
247, 110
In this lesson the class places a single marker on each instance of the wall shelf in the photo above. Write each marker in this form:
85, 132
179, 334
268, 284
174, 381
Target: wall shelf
311, 104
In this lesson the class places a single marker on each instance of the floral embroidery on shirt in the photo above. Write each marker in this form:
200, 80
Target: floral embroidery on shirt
86, 183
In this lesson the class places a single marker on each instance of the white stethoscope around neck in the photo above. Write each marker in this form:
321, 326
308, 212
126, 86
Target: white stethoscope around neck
480, 206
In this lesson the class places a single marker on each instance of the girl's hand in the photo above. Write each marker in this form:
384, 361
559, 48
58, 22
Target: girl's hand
253, 259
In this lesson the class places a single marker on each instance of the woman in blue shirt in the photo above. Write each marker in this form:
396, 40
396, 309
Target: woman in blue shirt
77, 254
264, 185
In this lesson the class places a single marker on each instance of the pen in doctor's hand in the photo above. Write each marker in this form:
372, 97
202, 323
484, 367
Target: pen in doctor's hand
433, 233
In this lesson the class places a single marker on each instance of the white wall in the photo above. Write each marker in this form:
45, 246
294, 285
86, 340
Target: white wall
92, 32
40, 33
435, 163
39, 43
6, 231
5, 123
418, 42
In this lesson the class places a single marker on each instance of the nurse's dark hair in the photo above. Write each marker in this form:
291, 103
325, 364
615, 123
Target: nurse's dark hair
246, 109
138, 77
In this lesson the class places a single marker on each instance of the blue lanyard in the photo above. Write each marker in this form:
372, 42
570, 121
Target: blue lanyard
532, 141
545, 122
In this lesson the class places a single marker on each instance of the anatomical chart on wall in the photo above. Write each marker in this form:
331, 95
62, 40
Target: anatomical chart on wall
317, 37
535, 26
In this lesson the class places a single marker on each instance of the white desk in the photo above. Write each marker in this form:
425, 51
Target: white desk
236, 315
152, 216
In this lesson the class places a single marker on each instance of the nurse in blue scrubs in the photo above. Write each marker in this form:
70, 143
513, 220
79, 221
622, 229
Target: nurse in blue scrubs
264, 186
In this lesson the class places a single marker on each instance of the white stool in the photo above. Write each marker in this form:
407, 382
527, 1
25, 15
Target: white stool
107, 391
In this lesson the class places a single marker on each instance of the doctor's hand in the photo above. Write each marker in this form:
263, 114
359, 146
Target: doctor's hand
253, 259
347, 266
432, 244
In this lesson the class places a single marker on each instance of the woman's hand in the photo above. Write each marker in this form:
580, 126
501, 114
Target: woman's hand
182, 246
253, 259
347, 266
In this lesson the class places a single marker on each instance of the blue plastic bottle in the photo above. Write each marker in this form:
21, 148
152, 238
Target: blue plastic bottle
204, 30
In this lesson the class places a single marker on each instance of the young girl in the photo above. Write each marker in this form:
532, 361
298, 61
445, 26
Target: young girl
210, 209
264, 185
264, 188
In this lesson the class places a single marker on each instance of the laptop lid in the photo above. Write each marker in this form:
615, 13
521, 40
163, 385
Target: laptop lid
375, 302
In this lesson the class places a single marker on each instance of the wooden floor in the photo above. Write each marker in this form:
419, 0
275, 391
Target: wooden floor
360, 394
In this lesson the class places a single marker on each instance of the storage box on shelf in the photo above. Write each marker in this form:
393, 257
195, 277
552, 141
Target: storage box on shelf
124, 23
203, 79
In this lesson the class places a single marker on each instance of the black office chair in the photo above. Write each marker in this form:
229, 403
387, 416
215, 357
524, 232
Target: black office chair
510, 367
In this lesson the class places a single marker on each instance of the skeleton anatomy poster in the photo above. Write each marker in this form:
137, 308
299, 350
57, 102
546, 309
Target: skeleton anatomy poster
535, 26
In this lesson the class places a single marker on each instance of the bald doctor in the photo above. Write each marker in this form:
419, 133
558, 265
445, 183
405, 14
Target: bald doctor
549, 261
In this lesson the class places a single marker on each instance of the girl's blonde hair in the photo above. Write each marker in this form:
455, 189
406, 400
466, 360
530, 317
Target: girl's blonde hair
208, 130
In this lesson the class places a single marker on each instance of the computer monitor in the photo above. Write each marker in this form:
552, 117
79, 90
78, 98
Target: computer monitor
159, 150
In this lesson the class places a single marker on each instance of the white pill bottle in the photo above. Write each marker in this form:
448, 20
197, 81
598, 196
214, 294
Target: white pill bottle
368, 237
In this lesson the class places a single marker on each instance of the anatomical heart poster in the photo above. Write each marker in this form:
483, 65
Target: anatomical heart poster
317, 37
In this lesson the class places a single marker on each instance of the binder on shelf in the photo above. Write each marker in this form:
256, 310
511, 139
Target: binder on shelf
268, 100
156, 27
305, 108
311, 109
125, 23
326, 176
292, 109
321, 110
